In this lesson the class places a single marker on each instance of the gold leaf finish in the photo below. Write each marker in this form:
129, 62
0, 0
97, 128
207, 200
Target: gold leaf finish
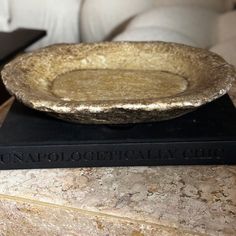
100, 85
118, 82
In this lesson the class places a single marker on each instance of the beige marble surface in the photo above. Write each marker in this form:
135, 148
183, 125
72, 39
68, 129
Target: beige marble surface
145, 200
136, 201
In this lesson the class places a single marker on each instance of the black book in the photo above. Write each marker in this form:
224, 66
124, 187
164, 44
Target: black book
31, 139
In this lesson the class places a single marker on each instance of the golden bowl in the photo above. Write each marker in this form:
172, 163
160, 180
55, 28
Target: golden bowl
118, 82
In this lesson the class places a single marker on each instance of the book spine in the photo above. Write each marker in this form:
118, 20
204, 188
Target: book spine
110, 154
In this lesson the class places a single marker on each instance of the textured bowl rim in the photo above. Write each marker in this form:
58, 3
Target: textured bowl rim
181, 101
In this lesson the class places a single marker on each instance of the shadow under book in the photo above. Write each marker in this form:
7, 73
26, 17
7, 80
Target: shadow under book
31, 139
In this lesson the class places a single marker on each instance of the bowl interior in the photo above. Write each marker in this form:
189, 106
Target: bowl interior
111, 72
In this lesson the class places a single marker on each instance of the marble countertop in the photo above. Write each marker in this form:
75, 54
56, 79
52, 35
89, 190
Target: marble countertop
136, 201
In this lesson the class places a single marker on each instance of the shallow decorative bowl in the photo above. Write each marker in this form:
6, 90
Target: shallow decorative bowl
117, 83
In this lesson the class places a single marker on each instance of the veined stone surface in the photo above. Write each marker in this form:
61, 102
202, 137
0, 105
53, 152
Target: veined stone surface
196, 200
37, 218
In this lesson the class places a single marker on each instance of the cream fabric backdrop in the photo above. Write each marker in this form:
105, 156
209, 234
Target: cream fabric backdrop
154, 34
4, 15
99, 18
215, 5
198, 24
